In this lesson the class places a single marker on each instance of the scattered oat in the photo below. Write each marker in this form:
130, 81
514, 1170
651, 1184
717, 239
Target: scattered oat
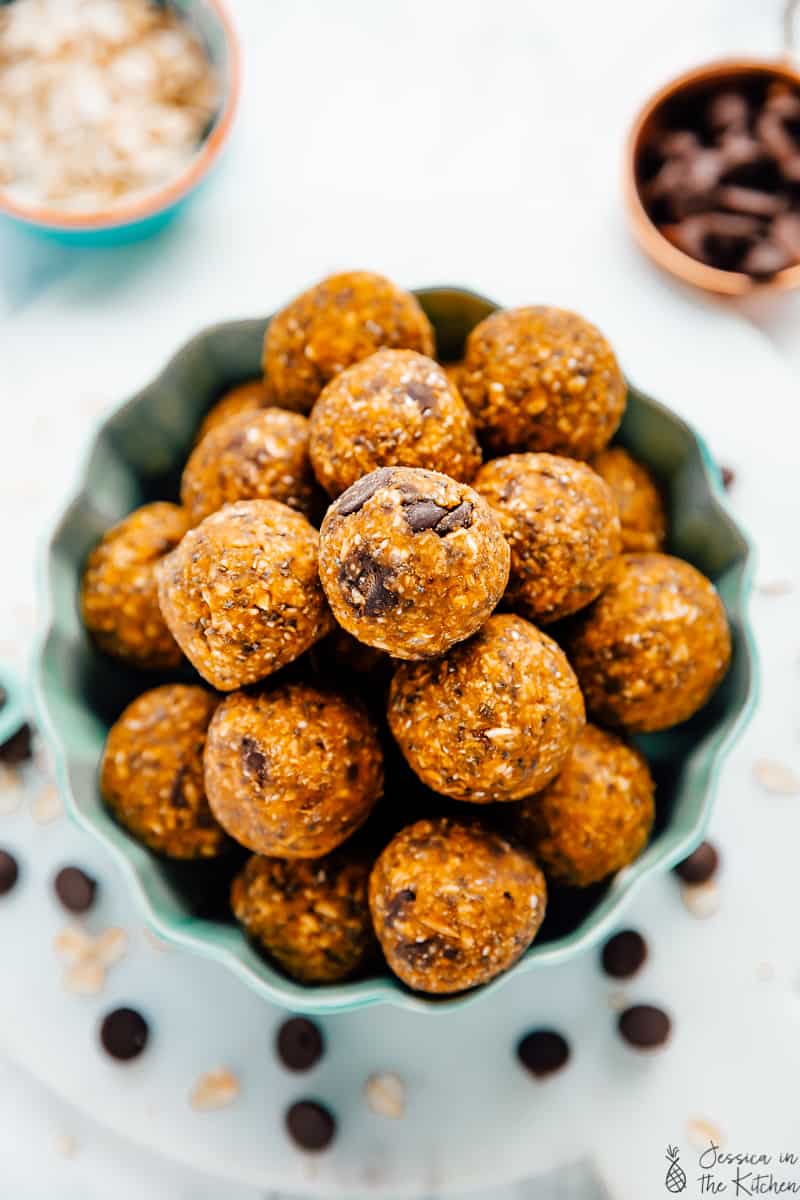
215, 1089
88, 957
776, 587
776, 777
700, 1132
47, 805
701, 899
385, 1094
65, 1145
11, 790
617, 1000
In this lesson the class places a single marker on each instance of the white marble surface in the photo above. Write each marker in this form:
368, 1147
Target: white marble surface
472, 143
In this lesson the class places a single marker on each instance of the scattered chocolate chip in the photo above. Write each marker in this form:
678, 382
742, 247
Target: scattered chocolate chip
75, 889
644, 1026
701, 864
300, 1044
624, 954
18, 749
310, 1125
9, 872
423, 514
728, 477
357, 496
457, 518
123, 1034
543, 1052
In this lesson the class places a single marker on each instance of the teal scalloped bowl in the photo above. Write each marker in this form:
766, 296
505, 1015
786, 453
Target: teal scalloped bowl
137, 455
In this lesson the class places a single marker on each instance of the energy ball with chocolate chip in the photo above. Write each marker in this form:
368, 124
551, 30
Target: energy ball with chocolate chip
241, 594
652, 649
119, 593
395, 408
454, 904
596, 815
641, 508
247, 397
252, 456
292, 772
151, 775
542, 379
562, 525
494, 719
310, 915
331, 326
412, 561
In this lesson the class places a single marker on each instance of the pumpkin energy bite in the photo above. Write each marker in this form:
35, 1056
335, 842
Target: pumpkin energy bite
561, 522
334, 324
641, 509
119, 593
247, 397
411, 561
310, 915
454, 904
652, 649
395, 408
596, 815
253, 456
293, 771
494, 719
241, 593
151, 775
542, 379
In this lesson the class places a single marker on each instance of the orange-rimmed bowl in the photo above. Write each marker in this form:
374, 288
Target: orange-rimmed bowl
646, 124
138, 218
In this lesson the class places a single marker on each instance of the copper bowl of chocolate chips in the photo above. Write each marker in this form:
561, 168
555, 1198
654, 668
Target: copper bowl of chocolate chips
713, 177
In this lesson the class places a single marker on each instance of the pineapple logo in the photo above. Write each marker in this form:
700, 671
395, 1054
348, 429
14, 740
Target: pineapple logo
675, 1181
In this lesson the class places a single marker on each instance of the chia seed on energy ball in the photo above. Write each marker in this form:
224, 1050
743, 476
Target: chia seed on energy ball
241, 593
561, 522
395, 408
334, 324
293, 771
454, 904
493, 719
412, 561
542, 379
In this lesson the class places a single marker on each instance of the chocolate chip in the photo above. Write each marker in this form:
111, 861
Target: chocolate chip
363, 490
785, 231
543, 1052
424, 396
75, 889
457, 518
700, 866
254, 760
124, 1033
9, 872
750, 201
644, 1026
423, 514
299, 1044
728, 477
397, 903
728, 110
18, 749
365, 584
311, 1126
623, 954
765, 259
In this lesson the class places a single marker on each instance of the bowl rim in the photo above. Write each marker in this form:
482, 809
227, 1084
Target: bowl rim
386, 990
646, 232
159, 199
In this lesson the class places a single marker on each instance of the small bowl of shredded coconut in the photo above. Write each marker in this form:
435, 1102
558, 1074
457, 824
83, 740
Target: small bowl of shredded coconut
111, 111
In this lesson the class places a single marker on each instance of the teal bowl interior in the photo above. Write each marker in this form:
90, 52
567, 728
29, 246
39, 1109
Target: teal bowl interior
137, 455
155, 211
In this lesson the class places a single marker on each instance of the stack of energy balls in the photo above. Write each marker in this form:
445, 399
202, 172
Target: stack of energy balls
391, 733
